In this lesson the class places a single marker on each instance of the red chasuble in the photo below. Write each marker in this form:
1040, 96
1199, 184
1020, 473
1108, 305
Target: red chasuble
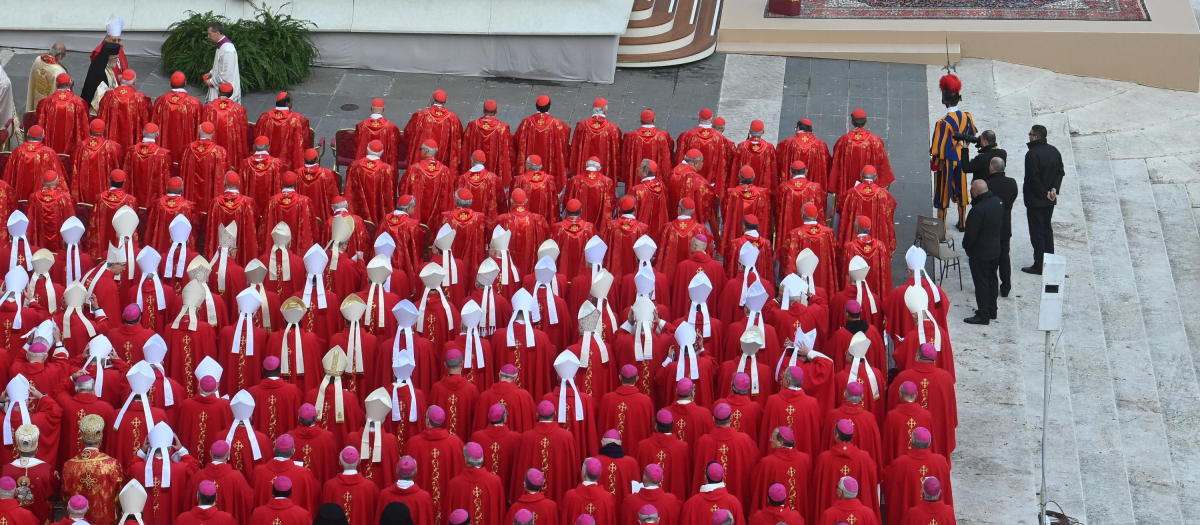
630, 412
617, 470
200, 421
736, 453
163, 504
839, 343
529, 230
896, 435
186, 348
866, 430
104, 477
318, 449
797, 410
743, 200
298, 212
775, 515
439, 456
353, 419
759, 155
431, 183
261, 175
241, 452
807, 148
209, 516
318, 184
419, 503
877, 408
855, 149
163, 211
668, 505
875, 203
147, 167
589, 499
879, 256
471, 230
620, 235
71, 443
542, 191
178, 117
552, 450
846, 510
595, 136
202, 167
684, 271
596, 193
289, 134
646, 142
494, 138
384, 131
308, 352
27, 165
231, 206
710, 142
410, 236
499, 450
518, 403
233, 492
691, 420
64, 117
818, 238
41, 481
935, 393
125, 111
571, 235
698, 509
229, 117
442, 126
789, 200
92, 160
280, 511
458, 397
382, 473
906, 352
357, 496
8, 204
549, 138
543, 509
48, 208
370, 188
844, 459
277, 405
685, 182
900, 320
100, 232
747, 414
306, 490
652, 201
487, 192
480, 493
925, 512
765, 264
787, 467
902, 481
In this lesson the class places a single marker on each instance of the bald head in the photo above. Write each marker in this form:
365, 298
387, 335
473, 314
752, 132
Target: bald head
978, 187
996, 166
58, 50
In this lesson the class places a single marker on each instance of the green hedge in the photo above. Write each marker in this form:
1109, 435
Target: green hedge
274, 49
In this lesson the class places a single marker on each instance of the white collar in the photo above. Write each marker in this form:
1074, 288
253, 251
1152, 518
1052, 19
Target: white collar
862, 235
647, 125
586, 483
232, 191
179, 89
629, 215
477, 168
649, 178
349, 472
376, 116
281, 108
144, 139
711, 487
285, 190
951, 109
372, 156
404, 483
684, 217
706, 126
200, 507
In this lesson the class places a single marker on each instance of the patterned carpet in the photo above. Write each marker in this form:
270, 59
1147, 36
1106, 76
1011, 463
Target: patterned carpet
1107, 10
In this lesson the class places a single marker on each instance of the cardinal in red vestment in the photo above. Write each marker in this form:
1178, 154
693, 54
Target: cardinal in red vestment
440, 125
759, 155
356, 495
540, 187
686, 233
929, 509
48, 208
805, 147
571, 235
528, 231
551, 450
790, 198
878, 255
935, 393
100, 228
485, 185
38, 480
29, 162
595, 192
287, 131
734, 451
533, 503
648, 142
794, 408
476, 491
103, 472
854, 150
317, 183
229, 117
64, 116
260, 172
619, 235
163, 211
866, 430
202, 417
407, 493
231, 206
775, 511
440, 458
178, 116
315, 446
205, 512
841, 460
711, 145
848, 507
911, 470
167, 470
813, 244
498, 442
280, 508
627, 409
430, 182
495, 139
148, 166
589, 499
651, 198
295, 210
699, 508
745, 199
377, 127
124, 110
456, 395
650, 504
370, 184
692, 418
670, 454
306, 490
764, 257
202, 163
686, 182
91, 162
873, 202
784, 465
546, 137
597, 137
470, 229
409, 234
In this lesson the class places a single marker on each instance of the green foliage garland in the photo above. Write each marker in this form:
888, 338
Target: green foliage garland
274, 49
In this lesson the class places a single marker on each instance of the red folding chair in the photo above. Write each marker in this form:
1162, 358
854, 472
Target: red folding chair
345, 145
29, 120
402, 153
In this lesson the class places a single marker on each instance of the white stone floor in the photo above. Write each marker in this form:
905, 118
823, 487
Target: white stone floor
1124, 442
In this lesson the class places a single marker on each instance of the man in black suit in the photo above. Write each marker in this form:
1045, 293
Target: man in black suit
1006, 188
985, 224
978, 166
1043, 178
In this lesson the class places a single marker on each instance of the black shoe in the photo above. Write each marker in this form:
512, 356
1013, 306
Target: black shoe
976, 320
1004, 290
1032, 269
